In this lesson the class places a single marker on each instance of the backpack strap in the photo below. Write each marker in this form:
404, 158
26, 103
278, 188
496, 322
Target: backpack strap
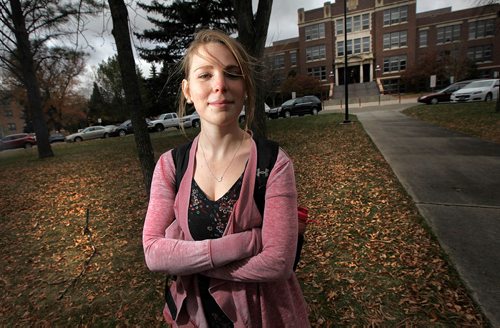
267, 153
180, 155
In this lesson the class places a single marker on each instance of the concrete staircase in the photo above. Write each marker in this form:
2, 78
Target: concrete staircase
357, 91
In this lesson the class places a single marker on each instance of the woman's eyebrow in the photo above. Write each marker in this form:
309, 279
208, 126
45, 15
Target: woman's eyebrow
230, 67
203, 67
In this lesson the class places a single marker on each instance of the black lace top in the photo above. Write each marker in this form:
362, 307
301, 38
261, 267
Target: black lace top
207, 219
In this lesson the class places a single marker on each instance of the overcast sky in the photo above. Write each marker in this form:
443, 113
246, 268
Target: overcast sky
283, 25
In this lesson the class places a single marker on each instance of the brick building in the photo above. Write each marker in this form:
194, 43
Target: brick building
11, 115
384, 39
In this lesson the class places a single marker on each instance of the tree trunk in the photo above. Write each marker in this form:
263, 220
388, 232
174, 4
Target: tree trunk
130, 80
30, 80
252, 33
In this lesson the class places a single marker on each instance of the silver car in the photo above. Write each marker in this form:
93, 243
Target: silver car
92, 132
482, 90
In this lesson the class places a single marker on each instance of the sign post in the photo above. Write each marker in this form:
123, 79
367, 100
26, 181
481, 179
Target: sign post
433, 81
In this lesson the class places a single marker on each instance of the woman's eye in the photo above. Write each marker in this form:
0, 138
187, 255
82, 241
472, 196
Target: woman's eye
204, 76
234, 75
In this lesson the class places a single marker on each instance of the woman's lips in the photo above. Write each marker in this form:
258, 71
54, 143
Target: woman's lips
220, 103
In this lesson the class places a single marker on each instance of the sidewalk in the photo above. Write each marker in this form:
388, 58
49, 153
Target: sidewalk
455, 183
357, 105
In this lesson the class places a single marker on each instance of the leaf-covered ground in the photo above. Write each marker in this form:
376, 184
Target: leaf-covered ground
369, 259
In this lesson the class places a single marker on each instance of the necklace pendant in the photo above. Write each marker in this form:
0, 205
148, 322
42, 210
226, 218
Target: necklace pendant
219, 179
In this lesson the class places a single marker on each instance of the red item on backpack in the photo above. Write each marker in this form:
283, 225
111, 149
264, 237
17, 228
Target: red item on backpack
303, 214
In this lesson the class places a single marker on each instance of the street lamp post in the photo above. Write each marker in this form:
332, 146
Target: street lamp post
377, 70
332, 83
346, 83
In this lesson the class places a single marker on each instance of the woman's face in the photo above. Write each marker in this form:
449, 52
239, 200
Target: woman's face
215, 85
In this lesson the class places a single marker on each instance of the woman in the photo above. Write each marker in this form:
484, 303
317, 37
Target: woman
233, 268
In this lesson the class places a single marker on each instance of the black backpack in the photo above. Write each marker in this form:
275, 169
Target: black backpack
267, 153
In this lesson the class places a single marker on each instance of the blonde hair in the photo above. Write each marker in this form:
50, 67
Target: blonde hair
245, 63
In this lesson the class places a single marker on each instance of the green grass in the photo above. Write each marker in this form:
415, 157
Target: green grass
369, 260
476, 119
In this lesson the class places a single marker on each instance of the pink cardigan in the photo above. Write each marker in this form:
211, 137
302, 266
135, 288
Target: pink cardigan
250, 266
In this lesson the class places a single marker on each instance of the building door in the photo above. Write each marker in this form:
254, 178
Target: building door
366, 73
340, 74
354, 74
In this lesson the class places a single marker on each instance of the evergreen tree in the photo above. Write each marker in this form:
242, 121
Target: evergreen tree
152, 71
96, 104
179, 21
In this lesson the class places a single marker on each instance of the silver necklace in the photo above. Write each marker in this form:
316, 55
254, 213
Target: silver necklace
219, 179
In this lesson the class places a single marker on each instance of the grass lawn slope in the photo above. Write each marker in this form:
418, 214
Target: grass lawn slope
477, 119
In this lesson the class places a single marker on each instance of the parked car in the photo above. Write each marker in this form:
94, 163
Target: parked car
57, 137
92, 132
300, 106
481, 90
272, 112
193, 120
19, 140
442, 95
164, 121
123, 129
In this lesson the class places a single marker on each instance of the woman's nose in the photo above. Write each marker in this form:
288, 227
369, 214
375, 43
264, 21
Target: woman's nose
220, 82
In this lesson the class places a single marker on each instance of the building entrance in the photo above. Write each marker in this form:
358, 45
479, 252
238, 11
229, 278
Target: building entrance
355, 74
352, 75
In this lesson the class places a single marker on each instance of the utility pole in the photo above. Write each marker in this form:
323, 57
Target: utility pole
346, 83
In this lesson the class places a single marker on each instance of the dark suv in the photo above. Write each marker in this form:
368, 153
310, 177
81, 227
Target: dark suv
20, 140
301, 106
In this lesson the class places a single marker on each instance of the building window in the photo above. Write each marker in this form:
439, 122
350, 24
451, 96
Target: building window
349, 47
314, 32
422, 38
317, 72
354, 46
293, 58
278, 62
395, 15
277, 80
395, 40
448, 34
394, 64
340, 26
445, 57
316, 53
366, 44
481, 53
357, 46
391, 85
481, 29
349, 25
340, 48
11, 126
8, 113
356, 23
366, 21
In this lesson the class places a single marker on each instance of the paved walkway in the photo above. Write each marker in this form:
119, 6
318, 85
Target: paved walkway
455, 183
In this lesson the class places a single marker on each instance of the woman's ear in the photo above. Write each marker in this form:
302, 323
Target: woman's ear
185, 90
